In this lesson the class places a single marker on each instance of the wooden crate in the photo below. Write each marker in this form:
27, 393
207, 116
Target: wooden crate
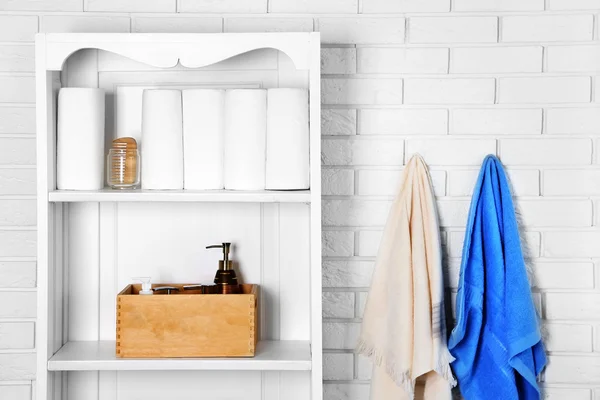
188, 324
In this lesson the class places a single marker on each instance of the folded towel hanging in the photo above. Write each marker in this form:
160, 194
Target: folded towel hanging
496, 341
403, 329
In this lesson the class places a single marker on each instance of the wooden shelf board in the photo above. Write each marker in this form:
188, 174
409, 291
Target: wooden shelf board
274, 355
264, 196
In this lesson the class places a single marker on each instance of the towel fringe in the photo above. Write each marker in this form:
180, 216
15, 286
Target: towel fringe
444, 370
402, 379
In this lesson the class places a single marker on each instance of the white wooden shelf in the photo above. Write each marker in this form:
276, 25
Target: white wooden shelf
286, 355
107, 195
85, 241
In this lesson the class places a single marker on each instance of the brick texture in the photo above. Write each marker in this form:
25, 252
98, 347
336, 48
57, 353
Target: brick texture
473, 60
15, 391
313, 6
498, 5
449, 91
452, 80
383, 60
453, 29
17, 274
17, 120
565, 337
574, 5
496, 121
17, 58
548, 152
361, 30
131, 5
176, 24
573, 121
268, 25
451, 151
404, 6
572, 58
18, 28
544, 90
403, 122
338, 60
223, 6
361, 91
551, 28
41, 5
71, 23
338, 122
16, 335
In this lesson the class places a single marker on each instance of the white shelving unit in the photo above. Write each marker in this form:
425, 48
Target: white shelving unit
91, 243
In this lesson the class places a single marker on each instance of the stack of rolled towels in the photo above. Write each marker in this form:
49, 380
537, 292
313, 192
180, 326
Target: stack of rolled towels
198, 139
238, 139
80, 139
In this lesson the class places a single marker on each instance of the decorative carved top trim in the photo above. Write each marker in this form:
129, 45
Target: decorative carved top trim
168, 49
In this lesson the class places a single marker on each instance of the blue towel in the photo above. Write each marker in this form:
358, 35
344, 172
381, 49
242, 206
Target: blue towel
496, 340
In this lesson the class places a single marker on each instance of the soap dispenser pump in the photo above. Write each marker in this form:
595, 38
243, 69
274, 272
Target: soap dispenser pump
225, 278
146, 285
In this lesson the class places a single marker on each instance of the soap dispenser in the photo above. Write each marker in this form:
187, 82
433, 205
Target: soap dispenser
146, 285
225, 278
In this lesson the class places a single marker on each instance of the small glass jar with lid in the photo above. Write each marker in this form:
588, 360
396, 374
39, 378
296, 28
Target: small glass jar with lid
123, 164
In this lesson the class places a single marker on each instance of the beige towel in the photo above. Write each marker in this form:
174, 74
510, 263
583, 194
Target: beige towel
403, 329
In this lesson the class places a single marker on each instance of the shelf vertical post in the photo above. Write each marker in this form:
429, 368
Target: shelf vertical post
315, 218
44, 130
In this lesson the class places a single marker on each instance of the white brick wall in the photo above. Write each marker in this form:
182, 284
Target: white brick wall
403, 121
449, 91
402, 6
547, 28
16, 335
338, 60
268, 25
18, 28
569, 337
131, 5
18, 89
498, 5
572, 58
453, 29
362, 30
362, 152
17, 58
183, 24
17, 274
469, 60
361, 91
576, 151
338, 122
390, 60
453, 80
15, 391
223, 6
573, 121
574, 5
74, 23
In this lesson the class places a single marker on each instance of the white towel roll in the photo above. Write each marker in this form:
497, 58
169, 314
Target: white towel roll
287, 139
245, 139
80, 142
203, 130
162, 139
